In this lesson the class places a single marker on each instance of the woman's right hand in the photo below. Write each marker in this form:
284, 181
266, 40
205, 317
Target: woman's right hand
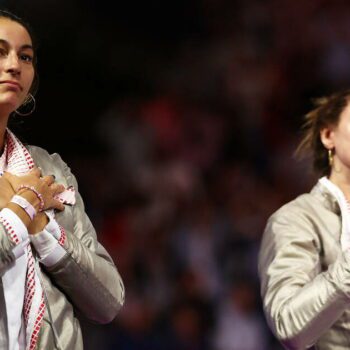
45, 185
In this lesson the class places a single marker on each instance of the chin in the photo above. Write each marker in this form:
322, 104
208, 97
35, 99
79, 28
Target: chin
7, 107
10, 100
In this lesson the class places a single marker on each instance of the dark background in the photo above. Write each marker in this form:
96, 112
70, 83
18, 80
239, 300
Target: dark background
180, 119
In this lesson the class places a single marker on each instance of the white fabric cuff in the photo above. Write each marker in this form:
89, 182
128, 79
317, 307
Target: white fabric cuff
52, 226
55, 256
48, 248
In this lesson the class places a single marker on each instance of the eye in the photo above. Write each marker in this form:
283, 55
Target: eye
25, 57
3, 52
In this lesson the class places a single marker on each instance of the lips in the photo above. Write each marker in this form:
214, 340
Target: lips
11, 83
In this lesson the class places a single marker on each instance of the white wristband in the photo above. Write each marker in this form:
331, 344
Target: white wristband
24, 204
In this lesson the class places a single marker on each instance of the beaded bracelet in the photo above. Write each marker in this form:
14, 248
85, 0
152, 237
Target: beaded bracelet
39, 195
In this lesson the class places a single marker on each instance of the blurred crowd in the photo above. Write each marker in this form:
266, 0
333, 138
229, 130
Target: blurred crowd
193, 169
192, 163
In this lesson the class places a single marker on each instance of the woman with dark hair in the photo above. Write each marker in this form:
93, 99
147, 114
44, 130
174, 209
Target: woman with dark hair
51, 264
304, 261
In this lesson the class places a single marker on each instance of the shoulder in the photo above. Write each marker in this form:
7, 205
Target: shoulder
303, 205
294, 224
300, 218
41, 155
307, 218
318, 204
51, 163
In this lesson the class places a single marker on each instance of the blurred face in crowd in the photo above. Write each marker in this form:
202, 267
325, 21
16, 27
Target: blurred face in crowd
16, 65
337, 138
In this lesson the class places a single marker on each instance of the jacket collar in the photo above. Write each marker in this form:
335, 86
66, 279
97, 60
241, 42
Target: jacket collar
327, 199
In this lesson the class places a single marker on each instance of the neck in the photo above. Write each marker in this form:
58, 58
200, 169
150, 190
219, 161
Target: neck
341, 178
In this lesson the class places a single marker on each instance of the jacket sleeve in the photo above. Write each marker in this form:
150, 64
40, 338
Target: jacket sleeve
7, 256
86, 274
301, 300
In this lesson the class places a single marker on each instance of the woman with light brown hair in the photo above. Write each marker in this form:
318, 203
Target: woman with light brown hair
304, 260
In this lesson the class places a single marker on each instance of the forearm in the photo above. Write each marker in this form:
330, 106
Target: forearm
90, 280
298, 315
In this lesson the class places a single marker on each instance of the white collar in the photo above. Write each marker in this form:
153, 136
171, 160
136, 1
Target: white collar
343, 205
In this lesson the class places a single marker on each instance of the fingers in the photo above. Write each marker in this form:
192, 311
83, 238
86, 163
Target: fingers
53, 190
45, 185
36, 172
50, 179
57, 205
57, 188
10, 179
7, 175
30, 179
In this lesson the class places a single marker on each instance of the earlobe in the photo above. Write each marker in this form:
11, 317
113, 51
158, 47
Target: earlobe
326, 136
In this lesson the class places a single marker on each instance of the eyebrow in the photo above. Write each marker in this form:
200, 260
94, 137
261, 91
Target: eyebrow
23, 47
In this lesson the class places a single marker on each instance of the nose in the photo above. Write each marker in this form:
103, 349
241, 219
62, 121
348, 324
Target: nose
12, 64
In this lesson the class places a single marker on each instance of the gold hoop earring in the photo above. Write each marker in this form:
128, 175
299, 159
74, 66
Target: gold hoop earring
330, 158
29, 100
